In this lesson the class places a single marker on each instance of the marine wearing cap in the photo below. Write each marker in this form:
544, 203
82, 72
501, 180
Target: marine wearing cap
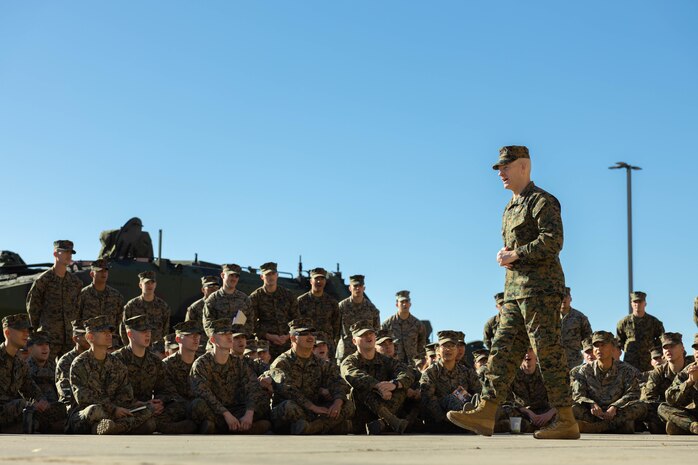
236, 269
695, 341
300, 325
315, 272
138, 323
262, 345
638, 296
100, 264
361, 327
38, 337
147, 276
509, 154
64, 245
383, 335
170, 341
447, 336
220, 326
402, 295
357, 280
587, 345
269, 267
78, 327
480, 354
208, 281
671, 339
17, 321
657, 353
97, 324
188, 327
499, 298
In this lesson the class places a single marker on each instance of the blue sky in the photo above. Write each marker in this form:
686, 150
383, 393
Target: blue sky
359, 133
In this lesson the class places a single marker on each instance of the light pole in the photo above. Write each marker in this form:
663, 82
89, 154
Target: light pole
628, 172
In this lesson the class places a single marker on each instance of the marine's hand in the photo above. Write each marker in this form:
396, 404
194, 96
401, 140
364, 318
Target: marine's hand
506, 256
121, 412
231, 421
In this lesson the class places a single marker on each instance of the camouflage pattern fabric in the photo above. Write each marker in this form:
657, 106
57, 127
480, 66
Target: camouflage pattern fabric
350, 313
695, 311
412, 336
638, 336
513, 339
653, 393
177, 376
195, 312
259, 367
45, 378
227, 387
616, 387
297, 386
52, 303
273, 312
158, 313
528, 391
98, 388
221, 305
17, 388
362, 374
146, 374
323, 311
532, 225
65, 394
489, 330
681, 407
629, 413
575, 328
438, 384
109, 303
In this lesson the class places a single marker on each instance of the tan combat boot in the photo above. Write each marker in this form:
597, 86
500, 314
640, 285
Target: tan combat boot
563, 427
480, 421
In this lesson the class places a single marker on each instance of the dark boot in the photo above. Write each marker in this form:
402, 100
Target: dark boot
180, 427
396, 424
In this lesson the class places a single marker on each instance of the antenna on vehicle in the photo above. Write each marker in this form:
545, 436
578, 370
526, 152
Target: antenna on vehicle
159, 245
196, 258
300, 266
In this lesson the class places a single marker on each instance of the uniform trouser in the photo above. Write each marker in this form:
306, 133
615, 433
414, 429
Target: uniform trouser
630, 413
530, 322
681, 417
288, 411
655, 424
201, 412
368, 403
82, 421
51, 420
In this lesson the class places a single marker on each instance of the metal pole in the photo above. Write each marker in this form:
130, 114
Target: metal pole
630, 236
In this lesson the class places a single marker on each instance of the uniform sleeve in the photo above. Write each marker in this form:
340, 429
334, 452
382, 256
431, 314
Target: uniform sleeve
253, 390
165, 319
336, 322
631, 391
680, 394
283, 386
201, 378
620, 332
355, 376
585, 329
580, 390
401, 373
650, 391
250, 316
546, 214
293, 311
430, 403
487, 335
657, 334
421, 339
35, 302
122, 327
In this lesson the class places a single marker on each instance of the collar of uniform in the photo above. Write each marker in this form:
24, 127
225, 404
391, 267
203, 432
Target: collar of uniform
611, 371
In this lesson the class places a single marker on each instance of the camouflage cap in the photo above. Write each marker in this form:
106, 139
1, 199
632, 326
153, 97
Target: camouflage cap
208, 281
499, 298
616, 342
587, 345
262, 345
638, 296
431, 346
300, 325
361, 327
38, 337
219, 326
695, 341
100, 264
671, 338
480, 354
17, 321
239, 330
657, 353
138, 323
461, 337
602, 336
315, 272
402, 295
447, 336
235, 268
251, 347
147, 276
510, 153
321, 338
430, 352
188, 327
78, 327
269, 267
157, 347
171, 341
383, 335
98, 323
357, 280
64, 245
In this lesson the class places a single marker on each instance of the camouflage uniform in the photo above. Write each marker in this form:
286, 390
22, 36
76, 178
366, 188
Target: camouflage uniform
695, 311
411, 334
98, 388
616, 387
178, 394
362, 375
229, 387
17, 389
109, 303
145, 374
575, 327
350, 313
653, 394
681, 406
638, 336
490, 330
297, 383
323, 311
273, 312
534, 286
437, 385
221, 305
157, 311
52, 303
65, 394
